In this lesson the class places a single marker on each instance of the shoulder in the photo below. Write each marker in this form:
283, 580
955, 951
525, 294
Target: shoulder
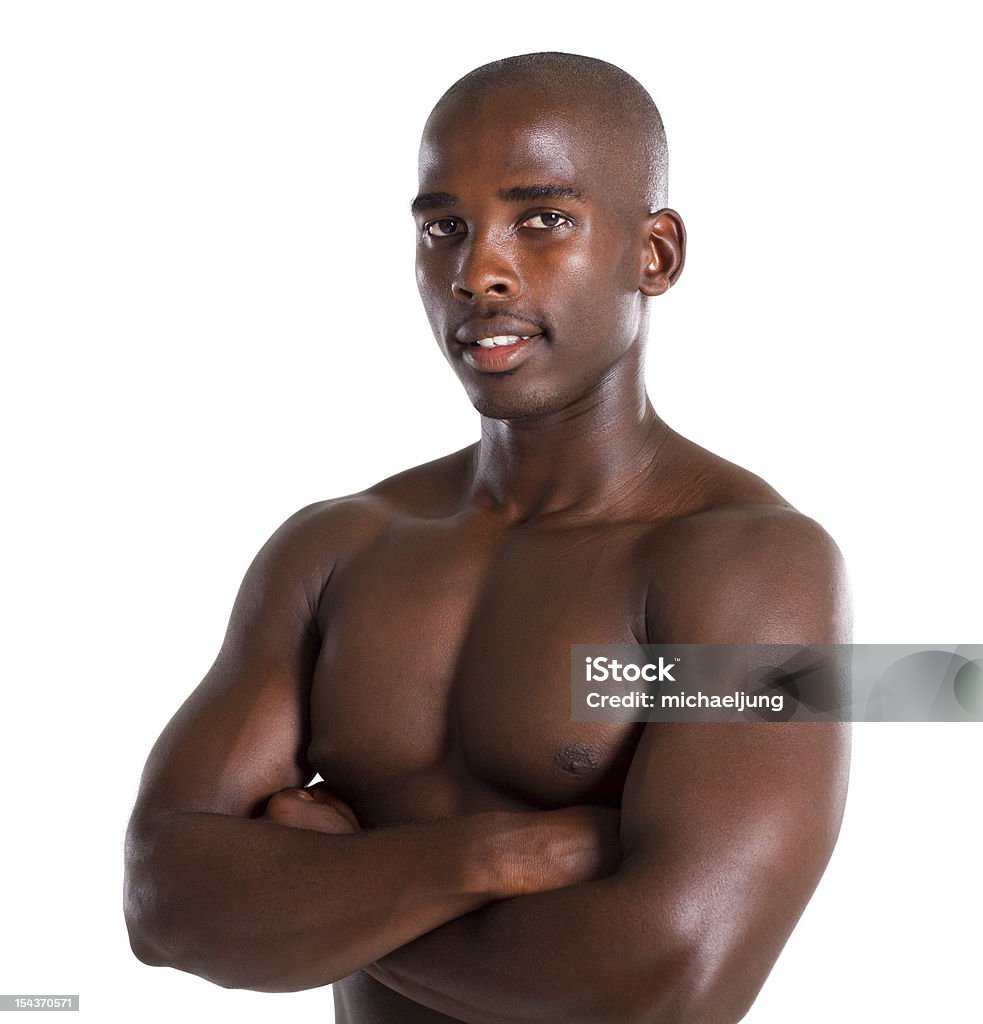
738, 564
751, 573
761, 536
320, 534
283, 586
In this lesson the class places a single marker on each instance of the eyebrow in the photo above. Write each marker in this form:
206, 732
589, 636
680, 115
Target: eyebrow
427, 201
530, 193
432, 201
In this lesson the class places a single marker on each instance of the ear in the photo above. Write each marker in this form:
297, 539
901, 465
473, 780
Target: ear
665, 252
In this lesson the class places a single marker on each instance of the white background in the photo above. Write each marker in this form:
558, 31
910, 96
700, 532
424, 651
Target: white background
208, 319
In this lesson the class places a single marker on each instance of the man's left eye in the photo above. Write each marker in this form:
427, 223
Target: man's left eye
544, 220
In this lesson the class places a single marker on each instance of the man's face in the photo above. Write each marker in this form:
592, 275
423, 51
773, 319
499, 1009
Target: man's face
529, 235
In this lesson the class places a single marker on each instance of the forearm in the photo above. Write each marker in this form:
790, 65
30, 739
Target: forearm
254, 904
579, 954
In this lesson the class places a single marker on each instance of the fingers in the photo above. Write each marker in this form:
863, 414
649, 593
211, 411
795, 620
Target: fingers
315, 809
323, 795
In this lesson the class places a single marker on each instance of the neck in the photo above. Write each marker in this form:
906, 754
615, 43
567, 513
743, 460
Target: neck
584, 458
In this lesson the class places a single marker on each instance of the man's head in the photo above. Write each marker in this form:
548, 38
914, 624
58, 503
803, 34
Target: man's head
541, 218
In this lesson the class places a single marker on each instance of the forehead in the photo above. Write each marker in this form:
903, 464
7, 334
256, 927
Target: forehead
512, 138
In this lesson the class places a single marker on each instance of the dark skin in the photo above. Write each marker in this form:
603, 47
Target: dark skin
473, 854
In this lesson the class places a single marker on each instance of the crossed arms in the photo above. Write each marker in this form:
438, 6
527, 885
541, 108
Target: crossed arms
490, 917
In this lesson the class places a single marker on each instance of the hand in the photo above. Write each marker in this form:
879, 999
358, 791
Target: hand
565, 847
315, 808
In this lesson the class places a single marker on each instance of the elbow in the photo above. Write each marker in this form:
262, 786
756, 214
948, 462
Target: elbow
141, 902
144, 932
170, 925
143, 948
148, 924
152, 941
682, 1004
152, 910
157, 942
141, 894
684, 987
161, 935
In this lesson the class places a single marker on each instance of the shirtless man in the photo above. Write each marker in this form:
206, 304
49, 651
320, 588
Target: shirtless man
473, 854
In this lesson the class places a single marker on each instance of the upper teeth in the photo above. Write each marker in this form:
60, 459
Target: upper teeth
502, 339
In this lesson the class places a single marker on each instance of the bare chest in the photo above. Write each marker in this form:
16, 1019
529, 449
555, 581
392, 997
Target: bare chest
443, 683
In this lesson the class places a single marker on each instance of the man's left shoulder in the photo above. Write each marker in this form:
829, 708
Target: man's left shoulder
731, 517
757, 572
760, 534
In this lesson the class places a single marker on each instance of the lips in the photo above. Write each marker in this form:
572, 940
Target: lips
498, 341
495, 331
500, 353
497, 344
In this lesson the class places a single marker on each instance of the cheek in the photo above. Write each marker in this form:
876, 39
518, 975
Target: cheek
593, 289
430, 288
564, 281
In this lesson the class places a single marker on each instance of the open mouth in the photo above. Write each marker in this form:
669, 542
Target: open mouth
501, 340
500, 353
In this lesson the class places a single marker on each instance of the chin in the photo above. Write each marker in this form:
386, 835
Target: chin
525, 406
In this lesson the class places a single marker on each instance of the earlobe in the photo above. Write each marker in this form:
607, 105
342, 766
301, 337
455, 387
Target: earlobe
665, 252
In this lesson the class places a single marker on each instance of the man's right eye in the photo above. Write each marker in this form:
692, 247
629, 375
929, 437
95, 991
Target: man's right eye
443, 227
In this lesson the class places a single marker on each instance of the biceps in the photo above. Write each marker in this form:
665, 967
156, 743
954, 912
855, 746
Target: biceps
243, 734
240, 736
737, 823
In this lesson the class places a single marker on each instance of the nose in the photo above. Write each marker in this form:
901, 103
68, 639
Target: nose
485, 272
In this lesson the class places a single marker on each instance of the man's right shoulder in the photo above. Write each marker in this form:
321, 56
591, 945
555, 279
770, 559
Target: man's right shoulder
322, 533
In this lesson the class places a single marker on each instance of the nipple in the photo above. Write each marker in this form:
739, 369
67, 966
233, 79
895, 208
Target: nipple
577, 759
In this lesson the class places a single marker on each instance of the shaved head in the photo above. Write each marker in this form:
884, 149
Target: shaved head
543, 231
614, 110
